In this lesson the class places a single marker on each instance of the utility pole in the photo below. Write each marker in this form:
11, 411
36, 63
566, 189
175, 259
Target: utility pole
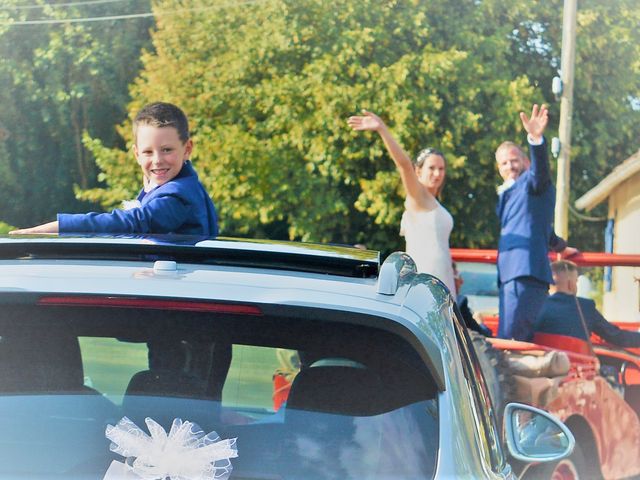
561, 221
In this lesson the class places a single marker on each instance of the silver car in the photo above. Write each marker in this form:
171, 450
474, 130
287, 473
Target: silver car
178, 358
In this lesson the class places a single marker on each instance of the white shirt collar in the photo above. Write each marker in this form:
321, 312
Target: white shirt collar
506, 185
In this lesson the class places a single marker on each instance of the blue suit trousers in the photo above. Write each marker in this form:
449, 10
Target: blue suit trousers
520, 302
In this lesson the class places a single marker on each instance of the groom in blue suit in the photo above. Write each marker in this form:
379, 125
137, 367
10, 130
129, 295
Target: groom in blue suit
525, 207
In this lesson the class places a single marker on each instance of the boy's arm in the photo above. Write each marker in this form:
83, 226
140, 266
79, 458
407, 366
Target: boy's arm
118, 221
469, 320
164, 214
613, 334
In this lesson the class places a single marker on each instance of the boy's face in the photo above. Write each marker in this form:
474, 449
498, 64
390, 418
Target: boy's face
160, 153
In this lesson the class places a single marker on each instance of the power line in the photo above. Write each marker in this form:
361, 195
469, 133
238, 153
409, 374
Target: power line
61, 5
128, 16
78, 20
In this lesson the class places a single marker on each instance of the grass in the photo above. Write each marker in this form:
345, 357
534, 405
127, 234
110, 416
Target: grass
5, 228
109, 364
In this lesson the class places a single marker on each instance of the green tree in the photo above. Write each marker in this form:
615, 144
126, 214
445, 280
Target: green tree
606, 112
607, 108
268, 87
59, 80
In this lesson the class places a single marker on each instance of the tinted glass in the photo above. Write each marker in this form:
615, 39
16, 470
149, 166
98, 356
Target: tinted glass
487, 425
480, 286
305, 399
537, 436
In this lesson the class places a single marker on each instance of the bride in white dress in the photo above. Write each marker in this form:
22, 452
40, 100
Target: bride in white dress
426, 224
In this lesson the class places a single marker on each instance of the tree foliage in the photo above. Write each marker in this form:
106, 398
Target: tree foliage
606, 107
59, 80
268, 86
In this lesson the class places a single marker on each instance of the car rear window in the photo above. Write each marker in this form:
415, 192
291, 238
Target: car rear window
306, 399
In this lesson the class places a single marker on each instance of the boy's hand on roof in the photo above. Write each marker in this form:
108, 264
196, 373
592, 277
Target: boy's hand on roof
51, 227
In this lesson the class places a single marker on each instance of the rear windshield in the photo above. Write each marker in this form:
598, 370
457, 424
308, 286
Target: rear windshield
304, 398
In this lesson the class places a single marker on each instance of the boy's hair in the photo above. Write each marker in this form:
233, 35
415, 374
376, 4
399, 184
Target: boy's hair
563, 266
160, 114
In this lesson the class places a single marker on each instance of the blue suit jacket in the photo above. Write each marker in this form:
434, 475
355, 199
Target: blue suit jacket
181, 205
526, 216
559, 315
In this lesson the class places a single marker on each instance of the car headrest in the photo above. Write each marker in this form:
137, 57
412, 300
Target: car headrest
40, 363
338, 389
166, 383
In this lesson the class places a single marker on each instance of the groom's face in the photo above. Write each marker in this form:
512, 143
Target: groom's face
510, 163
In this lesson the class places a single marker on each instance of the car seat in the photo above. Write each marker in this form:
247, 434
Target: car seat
41, 364
47, 408
170, 388
563, 342
336, 389
327, 404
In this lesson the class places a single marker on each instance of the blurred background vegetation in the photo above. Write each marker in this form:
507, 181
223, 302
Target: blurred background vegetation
268, 86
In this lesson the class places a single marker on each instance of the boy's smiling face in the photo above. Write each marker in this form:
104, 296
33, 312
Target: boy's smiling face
160, 153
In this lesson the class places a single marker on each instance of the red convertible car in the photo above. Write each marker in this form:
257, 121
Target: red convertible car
593, 387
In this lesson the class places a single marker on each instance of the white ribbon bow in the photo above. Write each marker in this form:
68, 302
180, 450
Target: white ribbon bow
186, 453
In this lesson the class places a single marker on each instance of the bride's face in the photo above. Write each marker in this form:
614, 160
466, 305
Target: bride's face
432, 173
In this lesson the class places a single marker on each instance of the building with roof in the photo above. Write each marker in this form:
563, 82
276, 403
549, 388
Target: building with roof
621, 188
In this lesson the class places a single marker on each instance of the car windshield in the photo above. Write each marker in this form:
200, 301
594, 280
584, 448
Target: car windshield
480, 286
305, 398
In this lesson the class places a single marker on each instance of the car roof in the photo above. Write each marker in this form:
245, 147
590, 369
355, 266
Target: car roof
341, 279
207, 269
321, 258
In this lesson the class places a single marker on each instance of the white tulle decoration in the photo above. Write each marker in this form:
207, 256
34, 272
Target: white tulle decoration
186, 453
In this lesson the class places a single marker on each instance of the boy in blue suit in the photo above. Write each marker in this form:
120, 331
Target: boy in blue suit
525, 207
564, 313
172, 199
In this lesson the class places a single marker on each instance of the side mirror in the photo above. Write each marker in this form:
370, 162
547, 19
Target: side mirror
534, 435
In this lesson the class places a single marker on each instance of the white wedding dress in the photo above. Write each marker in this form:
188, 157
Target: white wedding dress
427, 236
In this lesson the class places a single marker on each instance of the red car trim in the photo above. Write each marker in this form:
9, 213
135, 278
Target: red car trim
583, 259
149, 303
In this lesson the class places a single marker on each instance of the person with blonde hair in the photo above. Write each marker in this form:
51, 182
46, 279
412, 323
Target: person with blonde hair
526, 202
564, 313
